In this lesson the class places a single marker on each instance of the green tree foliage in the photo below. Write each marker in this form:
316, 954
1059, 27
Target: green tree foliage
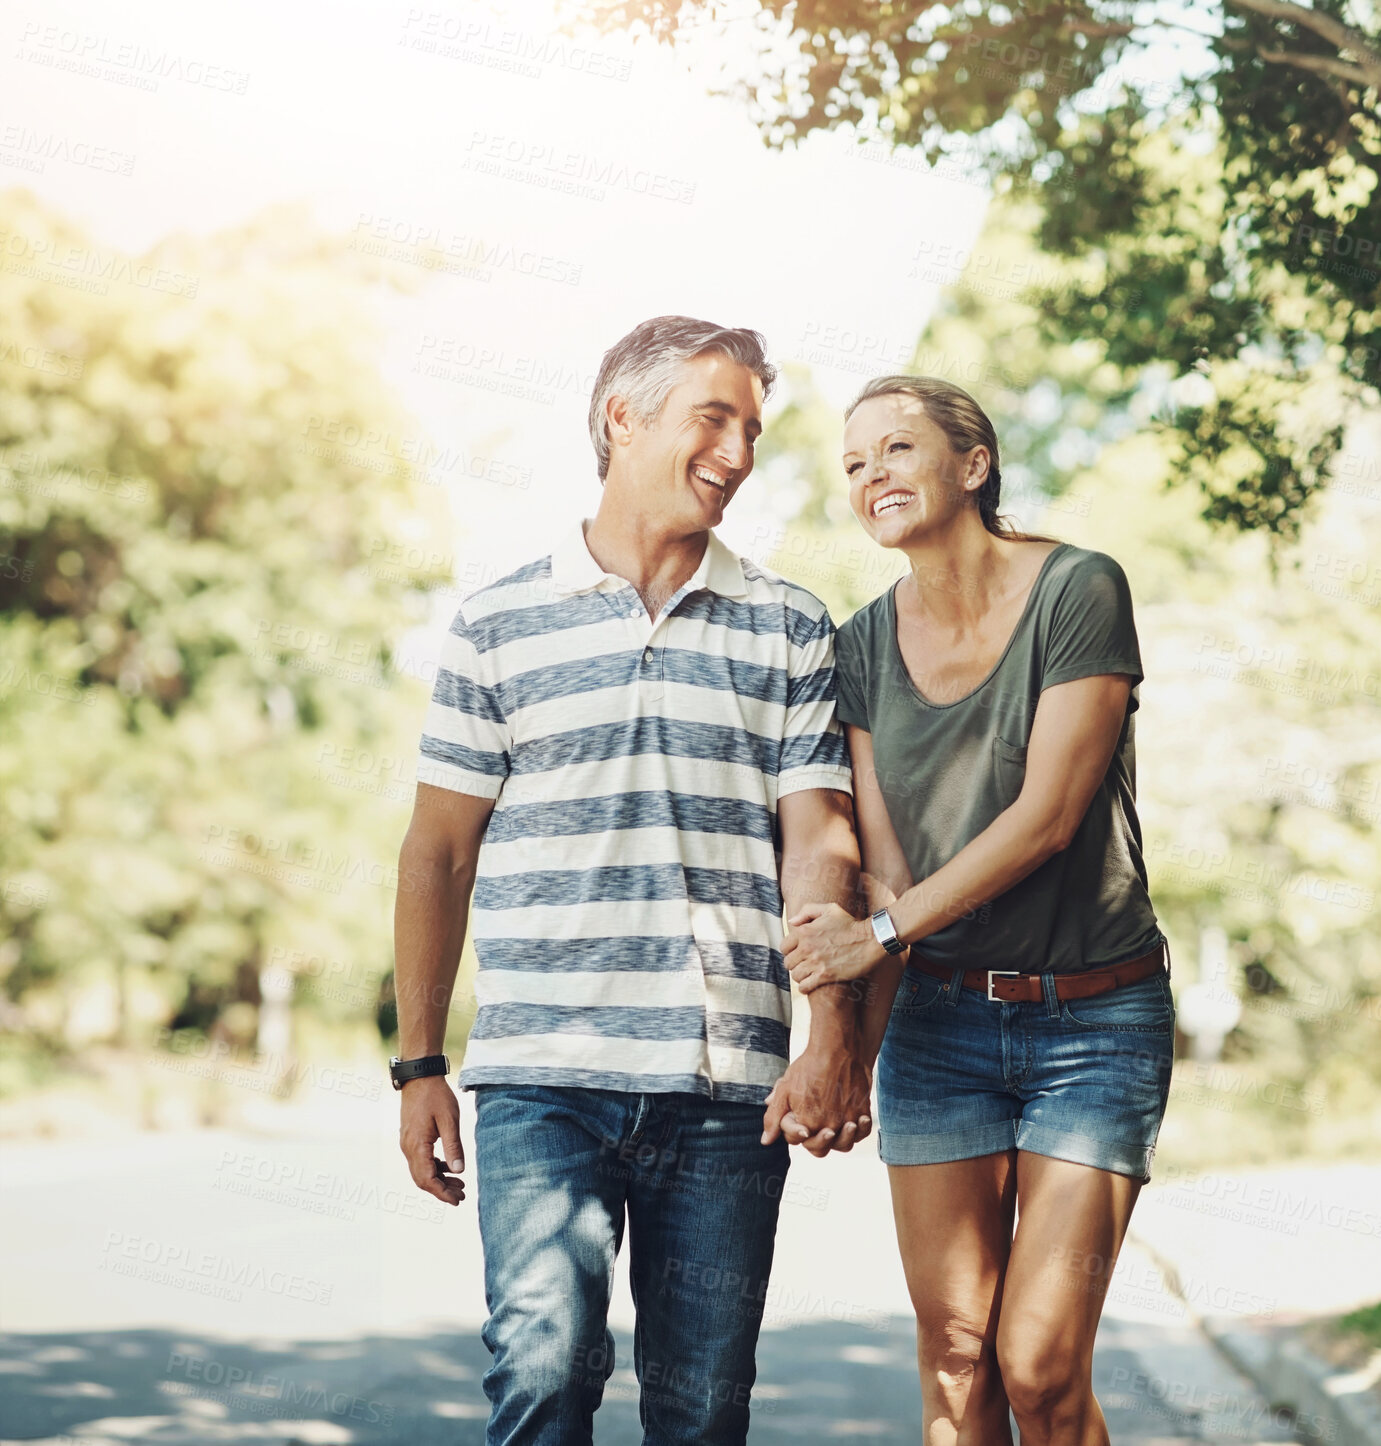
201, 495
1259, 270
1259, 735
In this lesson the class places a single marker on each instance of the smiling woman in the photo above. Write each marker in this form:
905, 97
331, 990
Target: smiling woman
1024, 1067
940, 421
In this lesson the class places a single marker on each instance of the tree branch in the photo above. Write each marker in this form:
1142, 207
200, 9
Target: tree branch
1098, 31
1321, 64
1326, 26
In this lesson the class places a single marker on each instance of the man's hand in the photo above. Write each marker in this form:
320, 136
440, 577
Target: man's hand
431, 1113
829, 946
821, 1102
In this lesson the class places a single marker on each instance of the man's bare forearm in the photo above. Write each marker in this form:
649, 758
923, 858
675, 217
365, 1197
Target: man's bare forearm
826, 871
429, 923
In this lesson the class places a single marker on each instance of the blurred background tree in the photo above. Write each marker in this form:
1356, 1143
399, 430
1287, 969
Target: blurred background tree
211, 542
1259, 737
1212, 169
204, 507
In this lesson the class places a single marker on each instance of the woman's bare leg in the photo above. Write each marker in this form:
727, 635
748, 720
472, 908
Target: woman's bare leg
1072, 1222
954, 1228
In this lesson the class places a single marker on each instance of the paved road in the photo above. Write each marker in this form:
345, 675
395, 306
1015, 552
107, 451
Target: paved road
277, 1288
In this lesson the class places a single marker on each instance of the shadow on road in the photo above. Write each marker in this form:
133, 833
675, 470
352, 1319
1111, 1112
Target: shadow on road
817, 1382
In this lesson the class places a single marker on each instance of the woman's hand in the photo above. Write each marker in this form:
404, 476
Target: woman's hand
828, 946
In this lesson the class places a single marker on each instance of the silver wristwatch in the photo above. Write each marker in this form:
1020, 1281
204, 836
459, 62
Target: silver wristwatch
885, 932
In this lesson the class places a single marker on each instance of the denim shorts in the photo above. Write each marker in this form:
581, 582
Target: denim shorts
1085, 1080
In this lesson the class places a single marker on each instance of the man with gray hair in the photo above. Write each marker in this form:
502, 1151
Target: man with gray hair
631, 755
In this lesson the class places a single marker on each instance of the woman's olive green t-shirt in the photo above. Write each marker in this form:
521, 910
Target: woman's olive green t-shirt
947, 770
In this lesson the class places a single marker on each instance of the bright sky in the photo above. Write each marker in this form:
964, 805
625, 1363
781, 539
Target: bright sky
460, 121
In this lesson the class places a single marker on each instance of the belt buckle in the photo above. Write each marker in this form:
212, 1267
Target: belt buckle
1015, 973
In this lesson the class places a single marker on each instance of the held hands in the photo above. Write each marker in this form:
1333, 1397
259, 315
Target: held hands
430, 1113
821, 1102
829, 946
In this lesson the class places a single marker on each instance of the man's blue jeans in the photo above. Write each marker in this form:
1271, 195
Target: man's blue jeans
556, 1171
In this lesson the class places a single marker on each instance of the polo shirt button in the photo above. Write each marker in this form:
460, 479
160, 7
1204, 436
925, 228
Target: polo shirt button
636, 613
647, 655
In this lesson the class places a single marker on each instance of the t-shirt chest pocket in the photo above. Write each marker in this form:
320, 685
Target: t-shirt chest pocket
1009, 770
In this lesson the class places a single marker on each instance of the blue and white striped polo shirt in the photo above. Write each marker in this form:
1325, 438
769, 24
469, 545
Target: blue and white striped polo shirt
627, 911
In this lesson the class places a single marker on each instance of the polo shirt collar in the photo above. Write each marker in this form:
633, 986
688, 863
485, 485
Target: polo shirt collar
721, 571
574, 570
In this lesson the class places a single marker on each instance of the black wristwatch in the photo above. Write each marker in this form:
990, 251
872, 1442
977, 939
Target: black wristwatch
885, 932
400, 1071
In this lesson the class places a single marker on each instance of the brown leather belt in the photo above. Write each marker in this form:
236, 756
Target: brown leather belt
1012, 987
